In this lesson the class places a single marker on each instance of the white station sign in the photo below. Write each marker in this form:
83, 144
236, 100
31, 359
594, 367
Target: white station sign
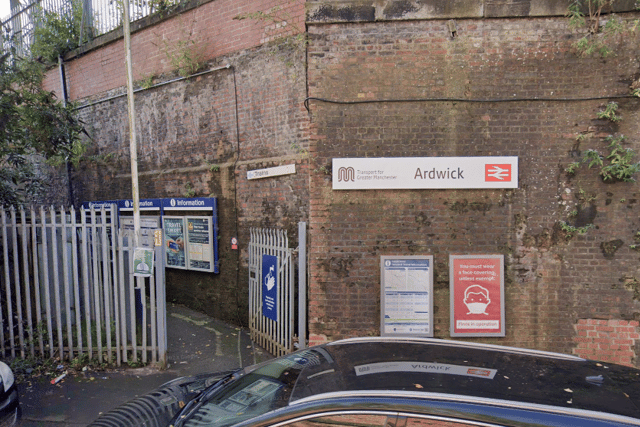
425, 173
270, 172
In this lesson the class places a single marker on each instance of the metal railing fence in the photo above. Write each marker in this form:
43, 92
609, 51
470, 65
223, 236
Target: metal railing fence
276, 336
67, 289
277, 332
92, 18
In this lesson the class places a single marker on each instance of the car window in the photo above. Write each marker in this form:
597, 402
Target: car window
248, 397
261, 389
347, 420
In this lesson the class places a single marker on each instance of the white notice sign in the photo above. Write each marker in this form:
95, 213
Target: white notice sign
269, 172
425, 173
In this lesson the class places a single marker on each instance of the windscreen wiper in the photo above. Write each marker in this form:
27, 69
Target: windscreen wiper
195, 403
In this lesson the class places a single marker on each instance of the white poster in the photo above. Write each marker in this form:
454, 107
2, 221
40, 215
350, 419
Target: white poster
425, 173
406, 295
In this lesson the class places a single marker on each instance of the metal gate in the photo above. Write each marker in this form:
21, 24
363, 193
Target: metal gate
68, 289
272, 293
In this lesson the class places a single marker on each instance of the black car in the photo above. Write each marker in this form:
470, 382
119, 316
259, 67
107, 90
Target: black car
9, 404
398, 382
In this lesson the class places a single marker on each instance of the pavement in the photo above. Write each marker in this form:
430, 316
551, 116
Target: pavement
196, 344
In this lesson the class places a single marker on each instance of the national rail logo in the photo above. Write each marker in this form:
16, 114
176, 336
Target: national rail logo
497, 173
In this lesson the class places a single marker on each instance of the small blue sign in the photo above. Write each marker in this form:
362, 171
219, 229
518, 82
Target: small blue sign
270, 287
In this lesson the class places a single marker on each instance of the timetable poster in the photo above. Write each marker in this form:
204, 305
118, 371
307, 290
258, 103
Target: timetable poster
200, 243
407, 295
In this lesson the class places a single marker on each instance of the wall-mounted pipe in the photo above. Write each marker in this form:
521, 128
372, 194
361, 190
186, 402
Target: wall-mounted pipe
65, 97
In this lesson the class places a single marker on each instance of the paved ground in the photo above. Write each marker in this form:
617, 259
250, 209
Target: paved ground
196, 344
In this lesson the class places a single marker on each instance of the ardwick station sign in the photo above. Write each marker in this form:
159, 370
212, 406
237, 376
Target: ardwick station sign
425, 173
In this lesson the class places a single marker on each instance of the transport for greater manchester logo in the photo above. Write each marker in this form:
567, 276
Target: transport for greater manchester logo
346, 174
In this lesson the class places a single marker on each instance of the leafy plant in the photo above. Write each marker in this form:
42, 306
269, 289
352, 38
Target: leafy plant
159, 6
145, 82
183, 57
35, 126
189, 191
609, 112
593, 158
571, 230
587, 14
58, 32
617, 165
636, 238
620, 165
572, 168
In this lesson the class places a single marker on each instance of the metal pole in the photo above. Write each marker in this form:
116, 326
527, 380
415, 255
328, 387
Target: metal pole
133, 146
302, 285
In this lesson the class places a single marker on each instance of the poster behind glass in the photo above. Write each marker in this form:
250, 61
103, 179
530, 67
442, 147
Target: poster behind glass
174, 240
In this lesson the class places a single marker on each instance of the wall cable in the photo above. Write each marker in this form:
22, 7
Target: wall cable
462, 100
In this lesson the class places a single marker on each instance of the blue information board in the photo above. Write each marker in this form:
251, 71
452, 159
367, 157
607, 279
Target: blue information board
197, 248
270, 287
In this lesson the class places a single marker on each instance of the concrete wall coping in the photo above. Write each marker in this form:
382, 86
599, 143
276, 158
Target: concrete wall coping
340, 11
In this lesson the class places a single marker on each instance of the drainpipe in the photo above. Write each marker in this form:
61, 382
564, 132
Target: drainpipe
63, 85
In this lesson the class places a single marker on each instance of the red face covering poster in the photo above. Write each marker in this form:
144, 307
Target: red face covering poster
477, 295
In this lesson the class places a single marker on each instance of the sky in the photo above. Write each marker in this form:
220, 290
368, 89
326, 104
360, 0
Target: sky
5, 9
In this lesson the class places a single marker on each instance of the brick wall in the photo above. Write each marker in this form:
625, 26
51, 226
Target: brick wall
199, 136
202, 135
553, 280
613, 341
207, 29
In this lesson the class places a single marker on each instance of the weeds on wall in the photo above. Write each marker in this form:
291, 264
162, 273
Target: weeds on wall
183, 57
601, 31
636, 242
146, 82
160, 6
600, 28
615, 165
189, 191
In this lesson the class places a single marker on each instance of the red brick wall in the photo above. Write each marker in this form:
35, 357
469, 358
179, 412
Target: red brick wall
553, 281
210, 30
608, 340
200, 136
192, 138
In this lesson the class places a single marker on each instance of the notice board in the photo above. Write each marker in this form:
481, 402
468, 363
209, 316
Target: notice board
200, 243
477, 295
406, 295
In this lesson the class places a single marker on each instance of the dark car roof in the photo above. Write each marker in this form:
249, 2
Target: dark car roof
424, 367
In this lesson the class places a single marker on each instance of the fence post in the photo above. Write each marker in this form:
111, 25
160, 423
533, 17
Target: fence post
302, 285
162, 304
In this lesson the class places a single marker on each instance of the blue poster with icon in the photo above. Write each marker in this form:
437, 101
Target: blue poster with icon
270, 287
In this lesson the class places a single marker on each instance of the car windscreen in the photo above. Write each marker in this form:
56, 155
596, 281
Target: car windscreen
259, 390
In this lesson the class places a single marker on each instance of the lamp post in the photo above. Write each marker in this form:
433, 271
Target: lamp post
133, 145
